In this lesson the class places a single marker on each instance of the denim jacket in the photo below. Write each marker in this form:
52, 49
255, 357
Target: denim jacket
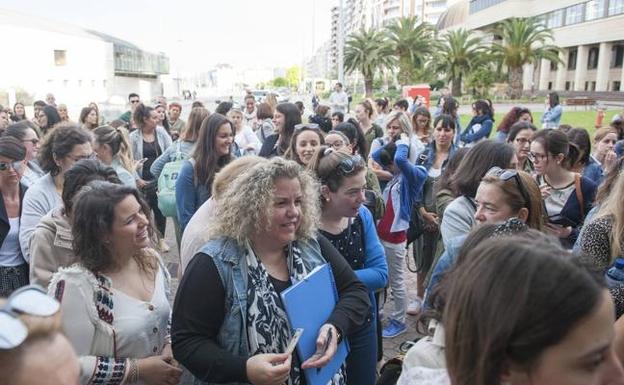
229, 258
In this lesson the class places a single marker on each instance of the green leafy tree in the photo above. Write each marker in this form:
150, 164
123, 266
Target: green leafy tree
524, 41
293, 76
368, 52
460, 53
412, 44
280, 82
480, 80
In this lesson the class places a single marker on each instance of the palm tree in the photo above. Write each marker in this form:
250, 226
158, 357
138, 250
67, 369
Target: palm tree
412, 43
524, 40
460, 54
367, 52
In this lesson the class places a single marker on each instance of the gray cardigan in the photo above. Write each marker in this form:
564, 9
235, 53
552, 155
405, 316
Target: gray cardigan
136, 142
458, 219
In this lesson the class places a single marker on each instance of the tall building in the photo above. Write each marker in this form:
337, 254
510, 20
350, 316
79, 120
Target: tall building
589, 33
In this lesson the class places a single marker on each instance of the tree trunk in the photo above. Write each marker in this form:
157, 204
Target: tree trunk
368, 86
457, 83
515, 82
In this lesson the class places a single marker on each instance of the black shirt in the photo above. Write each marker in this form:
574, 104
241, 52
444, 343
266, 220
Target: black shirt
199, 309
151, 151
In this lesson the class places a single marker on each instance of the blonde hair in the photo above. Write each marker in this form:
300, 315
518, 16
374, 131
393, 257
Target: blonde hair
117, 140
602, 132
613, 207
232, 171
248, 201
402, 118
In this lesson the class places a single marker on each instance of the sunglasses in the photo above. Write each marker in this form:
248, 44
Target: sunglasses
307, 126
32, 300
17, 165
507, 174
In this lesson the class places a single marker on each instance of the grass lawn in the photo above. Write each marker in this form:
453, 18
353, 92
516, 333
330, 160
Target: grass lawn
582, 119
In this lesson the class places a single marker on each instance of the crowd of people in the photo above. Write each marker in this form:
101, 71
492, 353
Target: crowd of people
510, 238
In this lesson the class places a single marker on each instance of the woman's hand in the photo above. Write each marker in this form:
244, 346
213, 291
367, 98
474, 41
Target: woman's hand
140, 183
609, 161
168, 354
322, 355
558, 230
158, 370
268, 369
138, 164
545, 190
404, 137
431, 220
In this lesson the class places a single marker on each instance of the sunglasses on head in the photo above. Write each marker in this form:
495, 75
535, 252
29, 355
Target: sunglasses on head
347, 164
17, 165
307, 126
31, 300
507, 174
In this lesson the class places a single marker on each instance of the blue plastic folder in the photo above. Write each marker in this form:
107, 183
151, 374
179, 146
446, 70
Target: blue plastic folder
308, 304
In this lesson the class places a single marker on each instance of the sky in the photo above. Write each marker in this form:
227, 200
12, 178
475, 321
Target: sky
196, 34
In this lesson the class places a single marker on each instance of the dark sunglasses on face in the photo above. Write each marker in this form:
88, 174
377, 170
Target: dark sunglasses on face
31, 300
507, 174
307, 126
17, 165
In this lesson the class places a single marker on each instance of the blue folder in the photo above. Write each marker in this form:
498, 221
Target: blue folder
308, 304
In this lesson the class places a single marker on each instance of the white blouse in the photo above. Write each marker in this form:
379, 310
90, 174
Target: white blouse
106, 326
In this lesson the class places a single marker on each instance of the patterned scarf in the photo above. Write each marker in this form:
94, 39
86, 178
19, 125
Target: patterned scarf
268, 329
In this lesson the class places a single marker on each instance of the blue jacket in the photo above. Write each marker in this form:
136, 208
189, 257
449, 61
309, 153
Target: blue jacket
593, 171
411, 180
189, 195
446, 261
480, 127
552, 117
375, 272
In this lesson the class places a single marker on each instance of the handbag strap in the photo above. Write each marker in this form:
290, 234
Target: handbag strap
579, 194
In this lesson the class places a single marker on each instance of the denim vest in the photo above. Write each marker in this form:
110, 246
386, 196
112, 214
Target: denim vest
229, 258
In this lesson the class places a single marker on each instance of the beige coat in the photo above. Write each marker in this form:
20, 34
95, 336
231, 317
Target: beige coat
50, 247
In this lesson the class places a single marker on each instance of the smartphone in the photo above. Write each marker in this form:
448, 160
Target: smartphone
293, 341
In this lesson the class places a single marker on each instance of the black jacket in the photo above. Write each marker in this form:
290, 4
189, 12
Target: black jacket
4, 218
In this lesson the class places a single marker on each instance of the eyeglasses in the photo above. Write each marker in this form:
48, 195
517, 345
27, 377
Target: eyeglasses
17, 165
507, 174
533, 157
307, 126
79, 158
336, 145
31, 300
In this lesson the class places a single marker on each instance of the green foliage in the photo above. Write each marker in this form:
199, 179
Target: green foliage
460, 53
293, 76
368, 52
524, 40
480, 80
413, 44
279, 82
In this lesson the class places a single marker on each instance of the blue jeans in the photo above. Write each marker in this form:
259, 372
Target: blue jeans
362, 359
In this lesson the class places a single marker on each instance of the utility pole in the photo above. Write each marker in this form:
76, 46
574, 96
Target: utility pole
341, 31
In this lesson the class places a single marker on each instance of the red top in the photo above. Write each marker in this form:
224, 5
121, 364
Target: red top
385, 224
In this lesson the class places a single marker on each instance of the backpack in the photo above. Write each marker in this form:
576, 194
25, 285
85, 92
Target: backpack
167, 182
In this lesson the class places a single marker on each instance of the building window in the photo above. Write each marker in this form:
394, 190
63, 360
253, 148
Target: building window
617, 86
554, 19
79, 83
574, 14
594, 9
550, 85
592, 58
568, 86
572, 59
60, 57
553, 66
617, 56
616, 7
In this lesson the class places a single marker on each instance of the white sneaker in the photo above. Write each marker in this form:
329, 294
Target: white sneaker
415, 306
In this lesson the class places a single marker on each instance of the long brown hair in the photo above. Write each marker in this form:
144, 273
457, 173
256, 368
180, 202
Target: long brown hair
207, 160
191, 130
495, 316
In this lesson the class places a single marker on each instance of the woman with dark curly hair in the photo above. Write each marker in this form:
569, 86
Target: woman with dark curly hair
115, 308
515, 115
61, 148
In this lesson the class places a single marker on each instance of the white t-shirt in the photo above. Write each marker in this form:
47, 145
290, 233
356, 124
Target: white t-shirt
10, 252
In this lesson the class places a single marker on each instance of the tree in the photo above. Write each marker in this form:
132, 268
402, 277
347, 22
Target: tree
293, 76
412, 43
480, 80
524, 41
460, 54
368, 52
280, 82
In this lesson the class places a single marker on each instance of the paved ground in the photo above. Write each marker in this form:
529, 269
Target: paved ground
391, 346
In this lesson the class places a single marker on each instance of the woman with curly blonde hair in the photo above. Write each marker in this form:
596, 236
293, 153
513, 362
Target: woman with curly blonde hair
263, 238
